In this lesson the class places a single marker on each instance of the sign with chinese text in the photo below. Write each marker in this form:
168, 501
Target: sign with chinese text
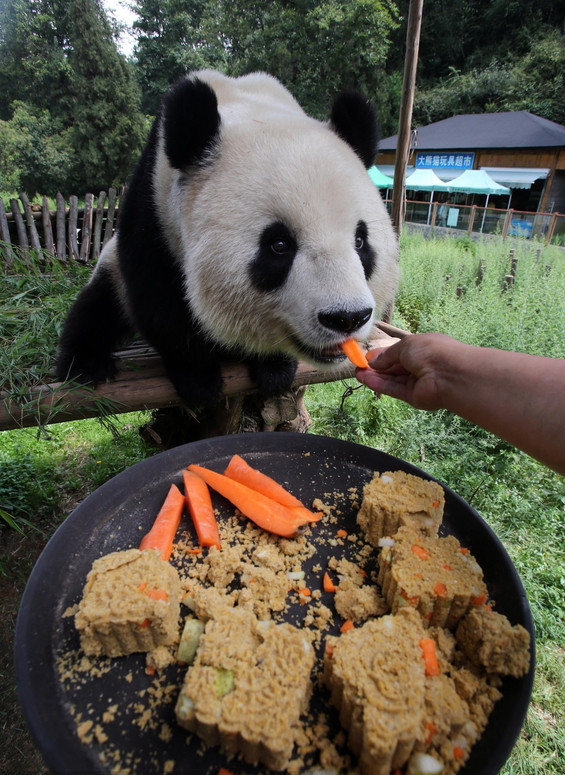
445, 161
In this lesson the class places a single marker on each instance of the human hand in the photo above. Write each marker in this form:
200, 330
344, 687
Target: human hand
413, 370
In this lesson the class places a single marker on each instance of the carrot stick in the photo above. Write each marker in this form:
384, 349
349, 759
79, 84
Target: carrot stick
242, 472
162, 534
245, 474
428, 647
352, 349
200, 508
264, 511
346, 626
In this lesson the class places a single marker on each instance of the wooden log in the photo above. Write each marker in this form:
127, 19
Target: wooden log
32, 228
72, 228
49, 246
5, 237
141, 384
97, 234
20, 230
61, 230
86, 229
109, 230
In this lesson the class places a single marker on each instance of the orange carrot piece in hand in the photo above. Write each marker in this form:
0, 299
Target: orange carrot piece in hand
201, 510
162, 534
428, 647
265, 512
352, 349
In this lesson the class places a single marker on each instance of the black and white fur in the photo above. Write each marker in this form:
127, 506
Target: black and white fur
248, 231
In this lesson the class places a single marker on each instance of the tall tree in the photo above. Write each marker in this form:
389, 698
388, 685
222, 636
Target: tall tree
169, 43
107, 126
68, 95
315, 48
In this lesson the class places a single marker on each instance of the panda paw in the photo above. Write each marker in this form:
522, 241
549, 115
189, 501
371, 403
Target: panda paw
274, 375
89, 370
202, 386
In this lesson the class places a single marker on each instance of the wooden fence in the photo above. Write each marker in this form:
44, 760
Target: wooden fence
68, 233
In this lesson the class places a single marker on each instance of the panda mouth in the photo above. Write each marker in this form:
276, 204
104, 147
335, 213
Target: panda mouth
321, 355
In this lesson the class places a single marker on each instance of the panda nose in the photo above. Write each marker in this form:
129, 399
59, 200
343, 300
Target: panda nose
345, 321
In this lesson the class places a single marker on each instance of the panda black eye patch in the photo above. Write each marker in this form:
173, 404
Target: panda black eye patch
273, 259
364, 249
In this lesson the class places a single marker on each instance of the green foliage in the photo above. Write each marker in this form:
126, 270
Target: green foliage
38, 151
533, 82
68, 101
315, 48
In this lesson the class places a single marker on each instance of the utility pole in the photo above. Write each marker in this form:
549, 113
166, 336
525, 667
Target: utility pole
405, 117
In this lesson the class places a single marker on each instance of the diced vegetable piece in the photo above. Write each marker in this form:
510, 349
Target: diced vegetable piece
424, 764
190, 638
162, 534
428, 647
328, 584
224, 681
352, 349
185, 707
201, 510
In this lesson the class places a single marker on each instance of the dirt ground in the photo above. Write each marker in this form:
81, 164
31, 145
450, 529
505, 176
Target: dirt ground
18, 753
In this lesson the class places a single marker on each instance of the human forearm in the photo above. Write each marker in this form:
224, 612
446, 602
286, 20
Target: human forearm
520, 398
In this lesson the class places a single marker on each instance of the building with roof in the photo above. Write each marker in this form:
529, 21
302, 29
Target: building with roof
519, 150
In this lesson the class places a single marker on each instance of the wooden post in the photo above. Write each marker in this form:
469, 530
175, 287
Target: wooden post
72, 231
513, 263
47, 229
405, 117
61, 238
86, 229
5, 236
20, 229
551, 229
506, 226
108, 231
471, 219
33, 235
96, 237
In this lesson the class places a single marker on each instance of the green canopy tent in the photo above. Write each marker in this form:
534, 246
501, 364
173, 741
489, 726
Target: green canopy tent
379, 178
426, 180
478, 182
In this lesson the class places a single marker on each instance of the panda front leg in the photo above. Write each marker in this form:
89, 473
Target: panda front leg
273, 375
94, 327
192, 368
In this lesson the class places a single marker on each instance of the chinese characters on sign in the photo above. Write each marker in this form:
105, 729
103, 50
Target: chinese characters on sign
446, 161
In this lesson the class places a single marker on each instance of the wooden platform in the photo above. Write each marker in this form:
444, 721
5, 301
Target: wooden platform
141, 384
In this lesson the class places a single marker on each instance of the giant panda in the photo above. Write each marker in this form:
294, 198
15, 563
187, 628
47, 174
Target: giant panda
248, 231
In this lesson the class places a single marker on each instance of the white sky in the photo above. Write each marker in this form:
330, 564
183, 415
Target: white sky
121, 10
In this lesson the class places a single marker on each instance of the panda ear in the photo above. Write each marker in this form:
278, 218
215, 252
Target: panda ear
354, 119
191, 122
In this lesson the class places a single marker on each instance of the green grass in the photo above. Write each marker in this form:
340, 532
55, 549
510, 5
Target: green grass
41, 480
522, 500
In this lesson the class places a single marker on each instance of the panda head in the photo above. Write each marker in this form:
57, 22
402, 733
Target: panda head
283, 240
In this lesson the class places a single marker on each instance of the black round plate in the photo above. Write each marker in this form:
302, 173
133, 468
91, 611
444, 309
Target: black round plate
117, 515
